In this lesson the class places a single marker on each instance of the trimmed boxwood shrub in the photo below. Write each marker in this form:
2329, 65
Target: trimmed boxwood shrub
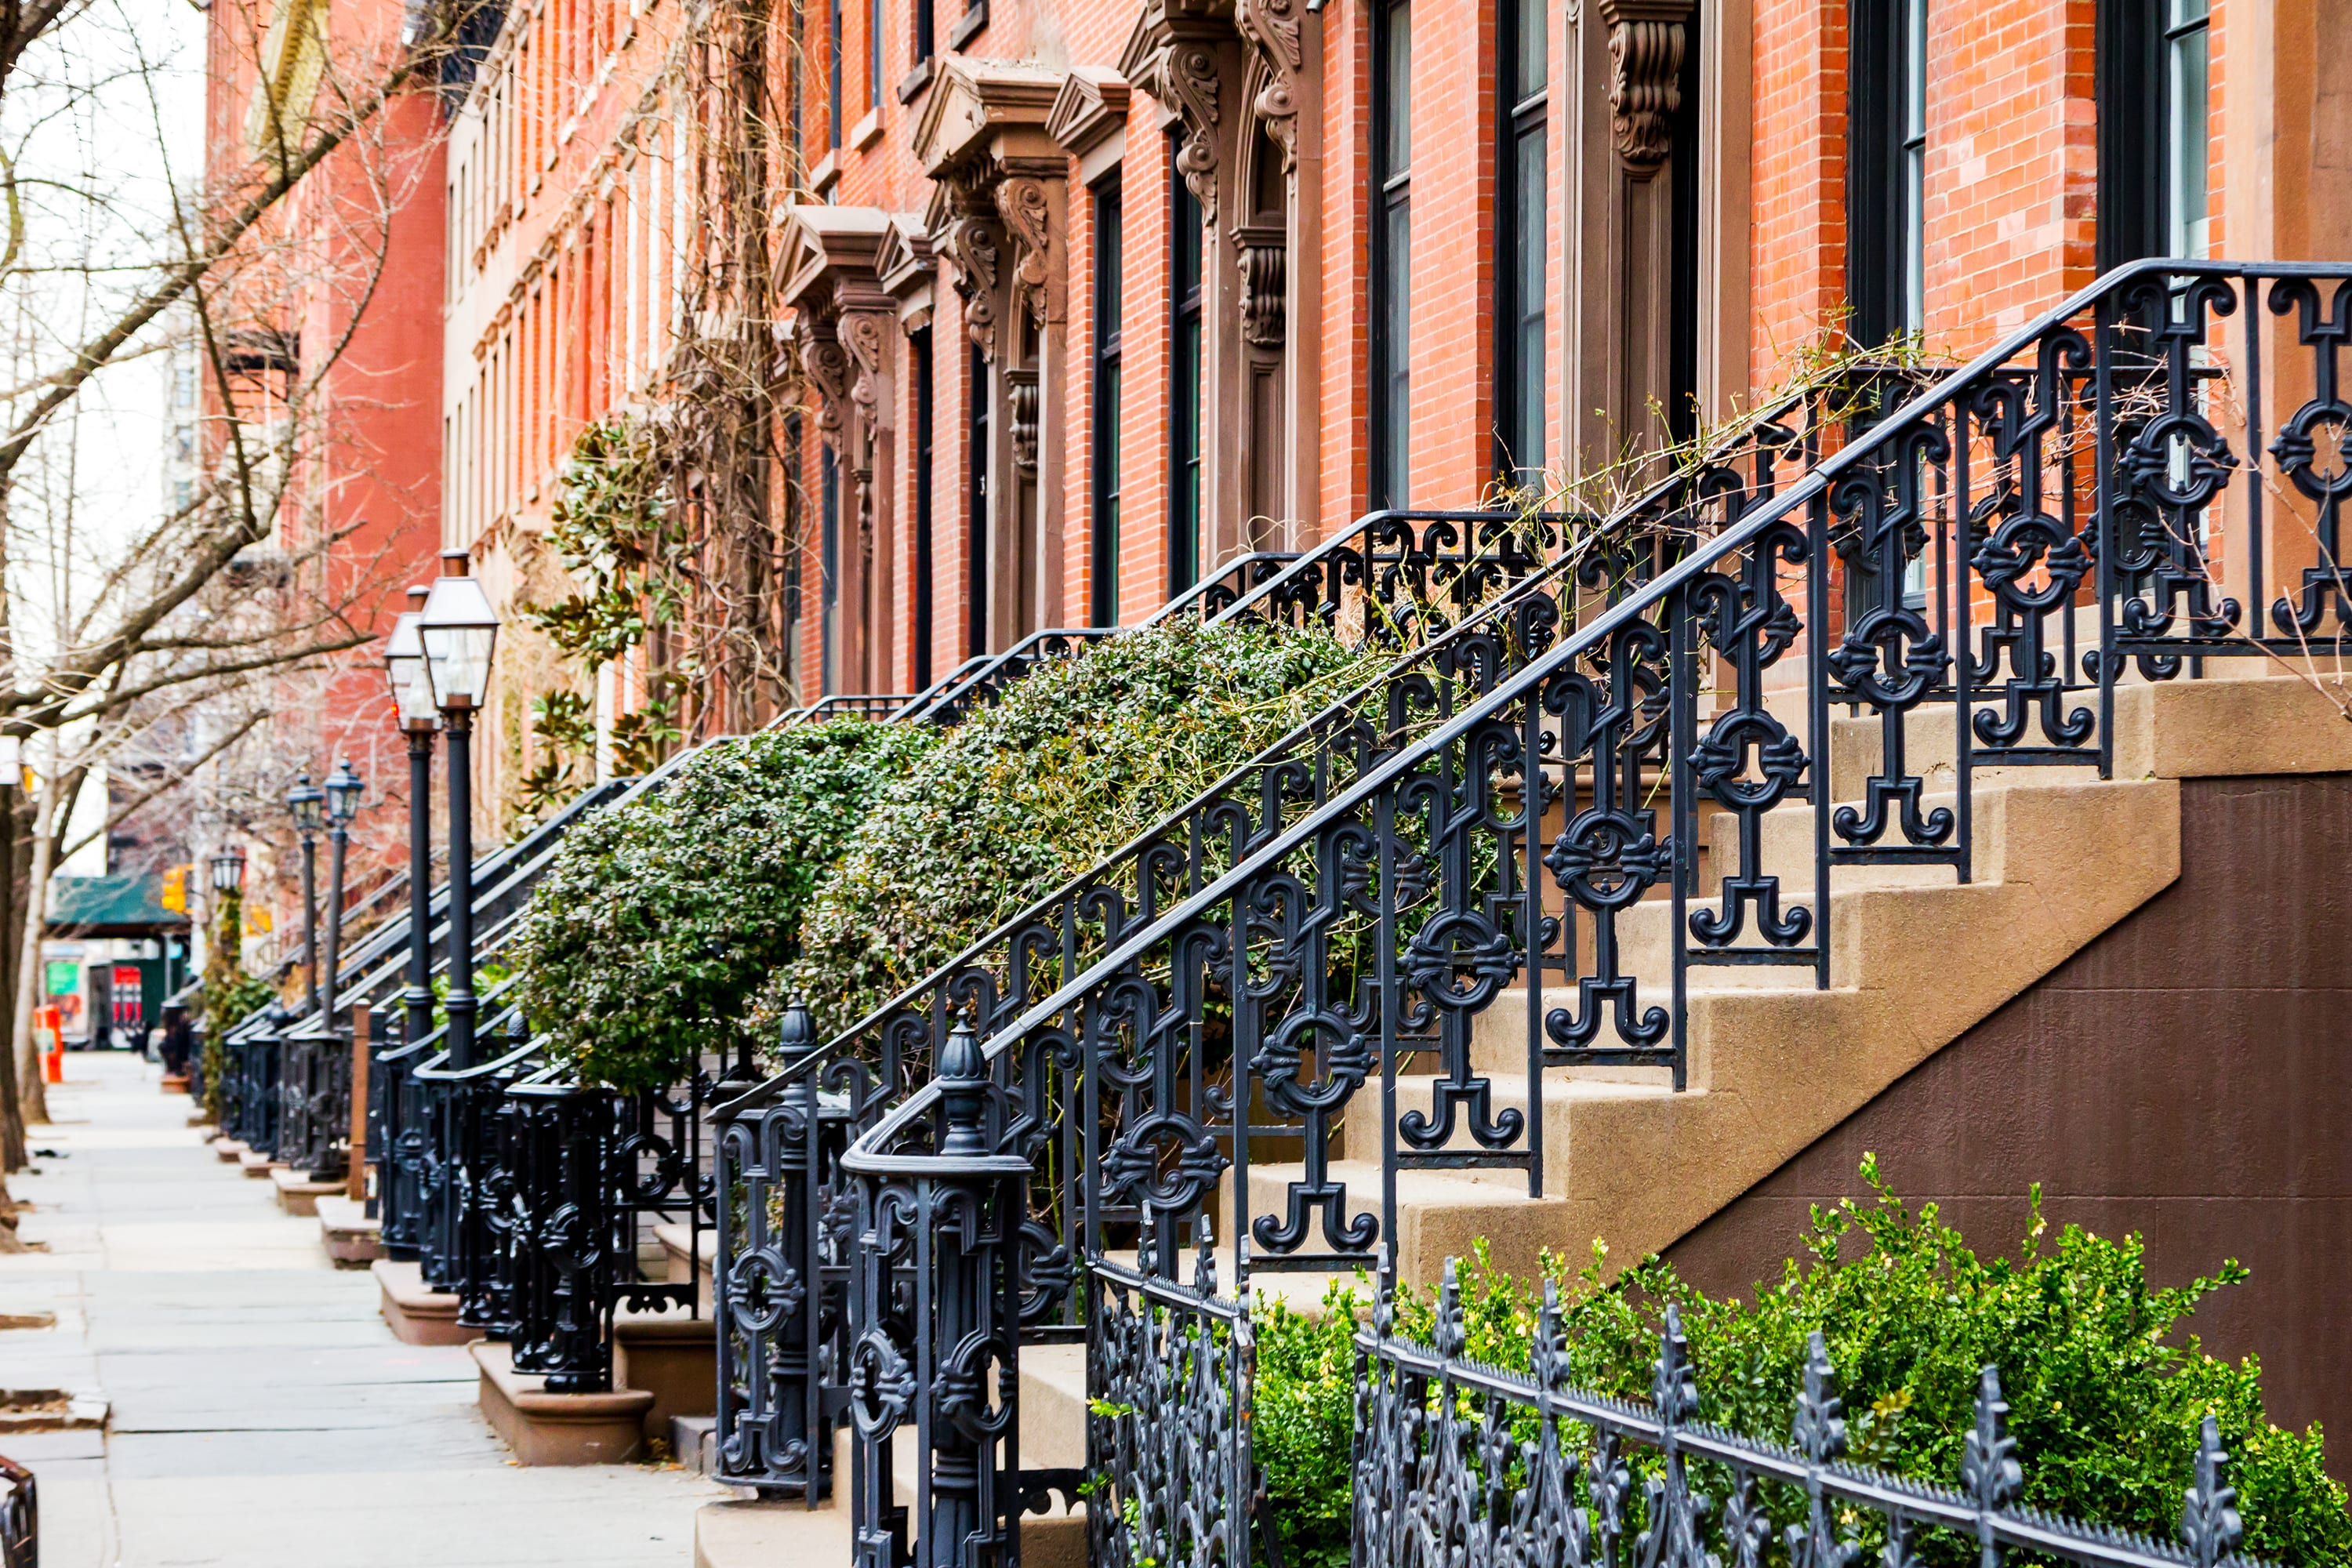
2107, 1392
1076, 760
647, 939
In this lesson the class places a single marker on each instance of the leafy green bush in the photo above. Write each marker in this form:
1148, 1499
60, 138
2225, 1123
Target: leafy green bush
1077, 760
2104, 1402
661, 918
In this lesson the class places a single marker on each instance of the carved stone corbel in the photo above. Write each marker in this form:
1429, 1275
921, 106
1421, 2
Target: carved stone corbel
1646, 39
865, 334
1028, 219
1021, 387
1264, 257
827, 365
1272, 27
1172, 56
970, 241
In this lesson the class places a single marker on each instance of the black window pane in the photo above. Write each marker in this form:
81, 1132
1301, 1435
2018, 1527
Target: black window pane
1184, 395
1110, 272
1529, 252
1529, 59
1396, 324
1397, 81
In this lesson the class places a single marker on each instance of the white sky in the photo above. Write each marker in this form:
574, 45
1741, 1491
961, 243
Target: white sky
103, 122
105, 119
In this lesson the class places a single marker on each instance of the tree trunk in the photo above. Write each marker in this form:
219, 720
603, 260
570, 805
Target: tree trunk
14, 863
36, 889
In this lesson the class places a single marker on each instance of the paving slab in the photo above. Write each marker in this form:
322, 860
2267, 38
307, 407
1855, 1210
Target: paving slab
261, 1411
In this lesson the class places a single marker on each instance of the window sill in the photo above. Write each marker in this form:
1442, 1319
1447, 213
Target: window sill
822, 178
911, 85
867, 131
968, 26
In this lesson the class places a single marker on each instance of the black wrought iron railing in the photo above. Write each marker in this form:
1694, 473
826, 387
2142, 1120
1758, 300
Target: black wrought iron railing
783, 1243
1573, 804
314, 1090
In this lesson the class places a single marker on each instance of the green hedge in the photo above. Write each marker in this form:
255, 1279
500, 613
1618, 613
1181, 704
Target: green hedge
1076, 760
2106, 1391
647, 941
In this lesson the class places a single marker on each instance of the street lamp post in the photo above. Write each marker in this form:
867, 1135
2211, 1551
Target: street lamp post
344, 789
411, 692
459, 631
308, 802
221, 968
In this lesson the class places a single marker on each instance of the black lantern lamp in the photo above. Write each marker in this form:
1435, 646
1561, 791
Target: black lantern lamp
344, 790
459, 631
412, 695
308, 802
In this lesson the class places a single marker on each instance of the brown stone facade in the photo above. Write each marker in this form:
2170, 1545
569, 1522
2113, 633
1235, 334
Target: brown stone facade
2183, 1077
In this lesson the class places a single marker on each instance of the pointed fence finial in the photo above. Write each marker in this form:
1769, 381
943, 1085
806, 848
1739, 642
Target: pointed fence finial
1447, 1335
1675, 1387
1819, 1432
2209, 1525
1989, 1472
1204, 1257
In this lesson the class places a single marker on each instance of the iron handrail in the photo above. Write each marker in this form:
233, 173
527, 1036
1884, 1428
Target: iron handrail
869, 1155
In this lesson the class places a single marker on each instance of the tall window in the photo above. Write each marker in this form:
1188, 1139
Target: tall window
833, 102
1109, 277
920, 346
1887, 168
975, 552
1391, 251
926, 30
795, 512
2188, 85
1184, 395
828, 564
2154, 88
798, 22
1521, 246
873, 54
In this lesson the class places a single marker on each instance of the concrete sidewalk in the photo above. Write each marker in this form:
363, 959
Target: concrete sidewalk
261, 1413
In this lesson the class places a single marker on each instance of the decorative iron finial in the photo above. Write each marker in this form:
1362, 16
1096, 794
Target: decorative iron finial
1447, 1336
1676, 1386
2209, 1525
1819, 1432
1204, 1257
1989, 1472
1549, 1360
964, 1092
1384, 1293
796, 1033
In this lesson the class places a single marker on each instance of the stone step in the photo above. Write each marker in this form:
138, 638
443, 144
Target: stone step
545, 1428
351, 1238
671, 1356
679, 1240
416, 1315
298, 1193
